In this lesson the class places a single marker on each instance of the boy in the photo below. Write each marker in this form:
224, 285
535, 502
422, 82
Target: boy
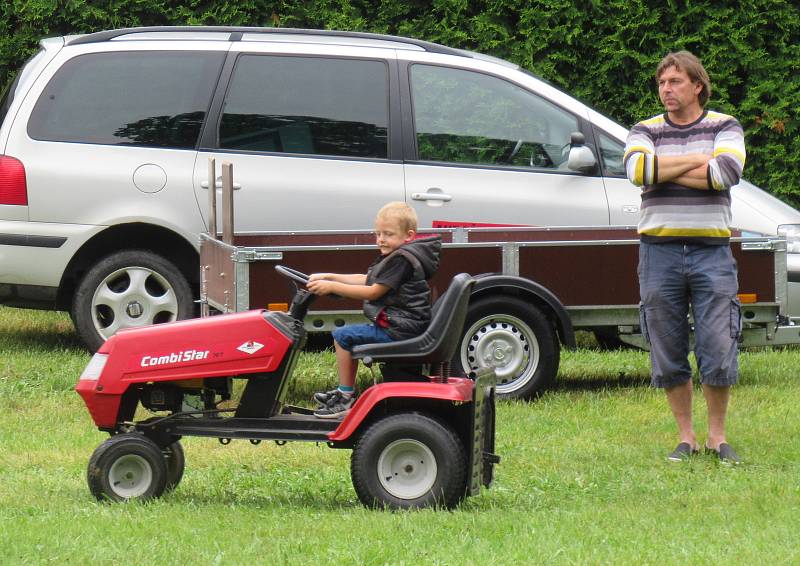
396, 295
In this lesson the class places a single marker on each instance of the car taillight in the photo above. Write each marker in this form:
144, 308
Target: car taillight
13, 188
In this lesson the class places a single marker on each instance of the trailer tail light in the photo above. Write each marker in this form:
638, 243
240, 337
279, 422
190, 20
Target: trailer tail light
747, 298
13, 188
95, 368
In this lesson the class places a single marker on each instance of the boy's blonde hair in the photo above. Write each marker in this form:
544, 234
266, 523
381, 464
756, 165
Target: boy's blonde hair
401, 213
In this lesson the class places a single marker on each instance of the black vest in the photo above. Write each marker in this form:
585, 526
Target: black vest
408, 308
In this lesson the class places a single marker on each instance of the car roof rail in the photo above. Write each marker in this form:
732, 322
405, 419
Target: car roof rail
237, 32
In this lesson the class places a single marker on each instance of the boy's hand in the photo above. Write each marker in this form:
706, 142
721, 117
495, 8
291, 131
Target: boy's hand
318, 276
320, 286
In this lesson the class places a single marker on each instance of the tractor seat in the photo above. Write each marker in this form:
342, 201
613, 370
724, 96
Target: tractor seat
439, 341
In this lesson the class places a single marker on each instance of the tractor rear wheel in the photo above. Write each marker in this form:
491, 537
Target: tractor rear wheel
127, 466
409, 460
176, 463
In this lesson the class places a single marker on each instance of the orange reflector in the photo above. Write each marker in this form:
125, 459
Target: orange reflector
283, 307
747, 298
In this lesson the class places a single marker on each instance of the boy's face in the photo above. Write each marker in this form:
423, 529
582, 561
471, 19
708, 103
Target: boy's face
389, 235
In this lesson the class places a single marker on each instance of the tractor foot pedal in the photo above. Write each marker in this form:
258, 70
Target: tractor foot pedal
490, 458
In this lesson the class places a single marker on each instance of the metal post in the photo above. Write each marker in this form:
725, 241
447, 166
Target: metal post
212, 198
227, 202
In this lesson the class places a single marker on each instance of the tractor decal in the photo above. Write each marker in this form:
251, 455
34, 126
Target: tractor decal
174, 357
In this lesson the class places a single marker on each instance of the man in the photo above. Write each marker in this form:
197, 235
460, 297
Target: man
686, 160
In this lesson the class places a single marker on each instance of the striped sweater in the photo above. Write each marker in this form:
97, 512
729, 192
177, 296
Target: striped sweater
673, 212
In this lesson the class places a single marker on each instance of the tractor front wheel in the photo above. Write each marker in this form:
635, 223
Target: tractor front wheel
409, 460
127, 466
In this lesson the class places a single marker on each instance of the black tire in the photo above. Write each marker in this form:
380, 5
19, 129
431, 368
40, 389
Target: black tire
175, 461
127, 466
516, 339
126, 289
408, 461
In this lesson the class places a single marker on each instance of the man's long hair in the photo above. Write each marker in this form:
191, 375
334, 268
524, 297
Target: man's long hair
691, 65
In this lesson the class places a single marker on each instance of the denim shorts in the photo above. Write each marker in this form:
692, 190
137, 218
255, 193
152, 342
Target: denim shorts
673, 276
357, 334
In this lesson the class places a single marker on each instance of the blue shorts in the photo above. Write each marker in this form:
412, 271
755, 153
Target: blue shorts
671, 277
358, 334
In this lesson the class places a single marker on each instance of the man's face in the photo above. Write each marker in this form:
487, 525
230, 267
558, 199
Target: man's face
677, 91
389, 235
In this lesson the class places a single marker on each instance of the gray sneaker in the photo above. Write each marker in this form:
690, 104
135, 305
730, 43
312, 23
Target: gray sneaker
338, 406
322, 397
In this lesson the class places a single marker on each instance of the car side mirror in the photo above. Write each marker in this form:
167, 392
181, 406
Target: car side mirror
580, 157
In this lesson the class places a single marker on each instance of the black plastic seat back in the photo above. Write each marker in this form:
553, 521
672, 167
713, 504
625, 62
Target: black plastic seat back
439, 341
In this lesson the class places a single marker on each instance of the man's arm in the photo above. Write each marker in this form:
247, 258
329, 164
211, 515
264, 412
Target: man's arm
640, 156
690, 170
644, 167
726, 165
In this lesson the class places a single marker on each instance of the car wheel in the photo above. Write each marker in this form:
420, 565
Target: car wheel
128, 289
408, 461
515, 339
127, 466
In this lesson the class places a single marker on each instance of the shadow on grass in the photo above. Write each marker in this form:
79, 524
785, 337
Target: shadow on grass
301, 500
600, 383
32, 340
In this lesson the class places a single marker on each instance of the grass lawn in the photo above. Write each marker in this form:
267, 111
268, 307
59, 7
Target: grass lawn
583, 477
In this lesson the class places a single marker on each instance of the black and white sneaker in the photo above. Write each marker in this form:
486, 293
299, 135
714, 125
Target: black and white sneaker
338, 406
322, 397
725, 453
682, 452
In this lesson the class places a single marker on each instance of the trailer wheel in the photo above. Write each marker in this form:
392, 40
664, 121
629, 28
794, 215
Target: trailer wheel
127, 466
514, 338
127, 289
408, 461
175, 460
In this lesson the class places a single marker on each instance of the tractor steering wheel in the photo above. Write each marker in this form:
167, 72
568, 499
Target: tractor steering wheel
293, 274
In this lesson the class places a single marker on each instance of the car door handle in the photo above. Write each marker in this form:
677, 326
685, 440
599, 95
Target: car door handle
218, 184
432, 196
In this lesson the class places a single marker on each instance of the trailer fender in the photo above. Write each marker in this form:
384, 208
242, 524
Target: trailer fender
488, 284
457, 390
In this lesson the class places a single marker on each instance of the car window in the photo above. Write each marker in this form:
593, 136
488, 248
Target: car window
307, 105
611, 153
145, 98
467, 117
10, 88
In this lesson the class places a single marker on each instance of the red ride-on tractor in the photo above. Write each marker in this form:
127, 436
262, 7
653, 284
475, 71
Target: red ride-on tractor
419, 438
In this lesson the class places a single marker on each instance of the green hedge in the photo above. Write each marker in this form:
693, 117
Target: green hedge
604, 52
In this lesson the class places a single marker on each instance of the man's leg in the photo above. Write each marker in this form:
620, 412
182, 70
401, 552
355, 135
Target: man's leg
664, 310
717, 403
680, 401
717, 326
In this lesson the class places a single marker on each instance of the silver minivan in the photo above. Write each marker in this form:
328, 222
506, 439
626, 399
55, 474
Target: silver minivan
105, 140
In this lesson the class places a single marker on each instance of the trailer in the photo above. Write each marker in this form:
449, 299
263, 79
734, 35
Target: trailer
535, 286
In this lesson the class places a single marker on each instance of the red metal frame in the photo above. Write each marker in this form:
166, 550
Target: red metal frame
456, 389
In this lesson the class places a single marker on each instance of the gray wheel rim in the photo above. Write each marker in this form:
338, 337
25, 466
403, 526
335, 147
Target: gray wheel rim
505, 343
407, 469
132, 303
130, 476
